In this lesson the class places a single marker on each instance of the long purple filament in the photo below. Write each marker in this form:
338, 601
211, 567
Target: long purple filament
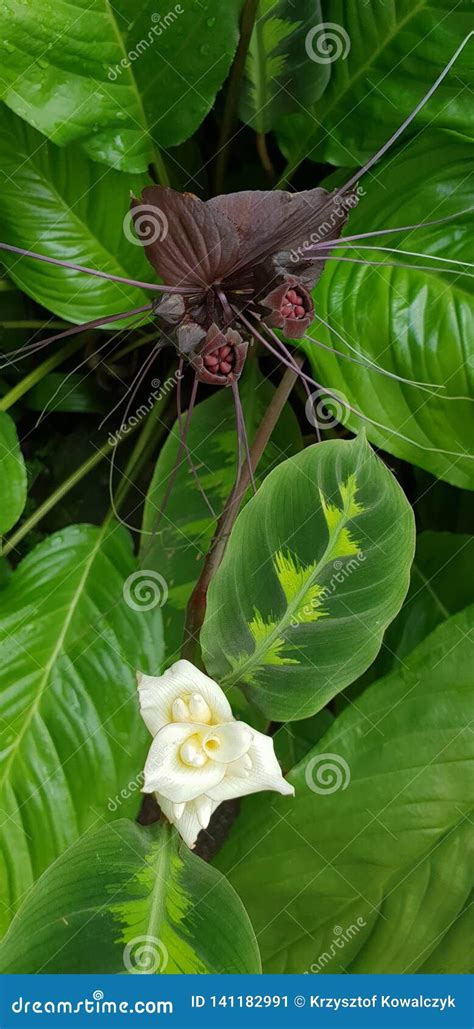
354, 410
95, 324
74, 371
135, 384
391, 264
138, 381
184, 440
373, 364
407, 253
242, 435
424, 100
386, 232
93, 271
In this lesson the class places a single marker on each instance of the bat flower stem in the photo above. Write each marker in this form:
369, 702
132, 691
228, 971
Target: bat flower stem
196, 608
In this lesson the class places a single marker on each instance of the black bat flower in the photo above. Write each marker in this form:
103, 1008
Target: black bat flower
235, 268
235, 255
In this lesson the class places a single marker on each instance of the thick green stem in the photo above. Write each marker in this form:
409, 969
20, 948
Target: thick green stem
160, 167
265, 159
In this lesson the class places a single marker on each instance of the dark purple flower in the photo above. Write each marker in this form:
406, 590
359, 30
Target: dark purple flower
291, 307
220, 360
238, 257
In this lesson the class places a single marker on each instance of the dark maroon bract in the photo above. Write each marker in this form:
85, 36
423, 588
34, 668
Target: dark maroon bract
236, 256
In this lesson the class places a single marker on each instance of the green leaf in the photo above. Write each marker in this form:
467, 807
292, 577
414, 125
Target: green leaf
59, 204
384, 61
12, 475
293, 740
185, 532
416, 324
316, 567
439, 505
365, 854
129, 899
442, 583
452, 954
71, 737
278, 76
117, 78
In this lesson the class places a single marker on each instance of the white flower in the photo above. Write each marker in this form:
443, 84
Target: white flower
200, 754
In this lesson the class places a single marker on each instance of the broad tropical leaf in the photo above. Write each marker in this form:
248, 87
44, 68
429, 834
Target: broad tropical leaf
129, 899
416, 324
362, 862
442, 583
71, 735
451, 954
384, 61
182, 540
293, 740
117, 78
316, 567
279, 78
12, 475
60, 204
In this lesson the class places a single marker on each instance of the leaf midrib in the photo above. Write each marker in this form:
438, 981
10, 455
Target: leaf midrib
118, 35
262, 649
158, 895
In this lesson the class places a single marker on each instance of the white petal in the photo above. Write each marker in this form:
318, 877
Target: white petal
265, 773
204, 807
159, 692
165, 771
228, 742
240, 768
188, 825
178, 810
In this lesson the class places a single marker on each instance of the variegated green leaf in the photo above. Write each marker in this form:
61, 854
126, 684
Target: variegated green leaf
129, 899
316, 568
279, 78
